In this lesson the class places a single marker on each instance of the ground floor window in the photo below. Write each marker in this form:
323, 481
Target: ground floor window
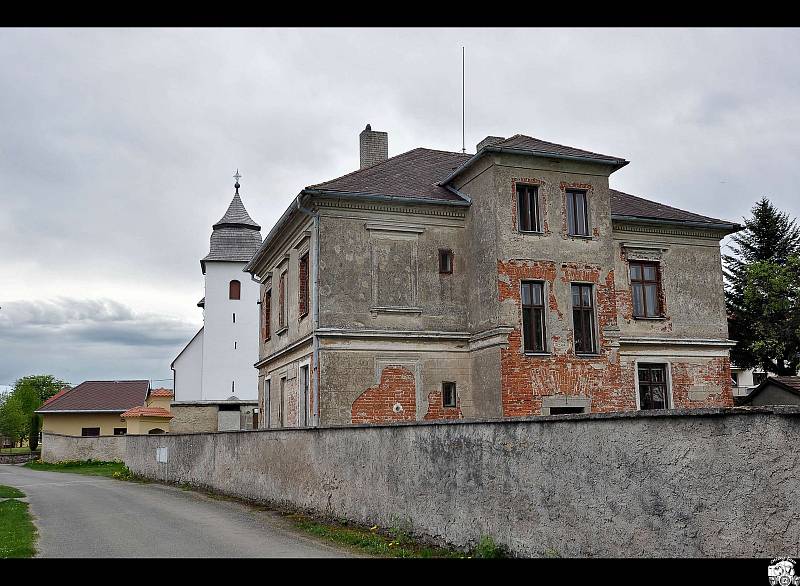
449, 398
90, 431
653, 391
566, 410
120, 431
156, 431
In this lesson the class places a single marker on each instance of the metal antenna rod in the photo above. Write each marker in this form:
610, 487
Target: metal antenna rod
463, 140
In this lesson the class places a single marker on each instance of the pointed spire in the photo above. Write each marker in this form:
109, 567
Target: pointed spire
237, 216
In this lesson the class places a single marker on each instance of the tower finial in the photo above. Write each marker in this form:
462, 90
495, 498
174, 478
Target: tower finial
237, 177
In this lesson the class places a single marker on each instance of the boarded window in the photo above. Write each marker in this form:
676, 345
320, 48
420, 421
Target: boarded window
645, 289
583, 319
234, 290
90, 431
449, 398
266, 309
445, 261
533, 322
528, 208
282, 301
303, 286
577, 213
652, 386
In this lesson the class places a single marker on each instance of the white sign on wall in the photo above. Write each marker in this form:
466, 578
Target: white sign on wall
161, 455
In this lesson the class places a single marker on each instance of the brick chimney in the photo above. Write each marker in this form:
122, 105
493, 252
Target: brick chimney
374, 146
489, 140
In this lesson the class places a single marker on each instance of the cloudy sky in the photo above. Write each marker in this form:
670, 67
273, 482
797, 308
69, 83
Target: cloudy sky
117, 148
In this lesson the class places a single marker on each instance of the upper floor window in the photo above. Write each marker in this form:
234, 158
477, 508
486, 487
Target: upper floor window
583, 319
445, 261
652, 386
577, 213
266, 309
282, 301
644, 289
234, 290
303, 286
528, 208
533, 326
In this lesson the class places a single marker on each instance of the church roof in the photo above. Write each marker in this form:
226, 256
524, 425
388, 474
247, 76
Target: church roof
237, 216
236, 237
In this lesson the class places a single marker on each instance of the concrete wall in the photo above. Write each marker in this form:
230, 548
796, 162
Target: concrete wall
716, 482
193, 418
59, 448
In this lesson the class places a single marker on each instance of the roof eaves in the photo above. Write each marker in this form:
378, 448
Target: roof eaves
614, 162
731, 227
386, 197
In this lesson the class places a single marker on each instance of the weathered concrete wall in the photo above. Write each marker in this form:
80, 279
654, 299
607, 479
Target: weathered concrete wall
716, 482
58, 448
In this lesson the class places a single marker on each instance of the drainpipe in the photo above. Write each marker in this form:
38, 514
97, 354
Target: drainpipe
315, 310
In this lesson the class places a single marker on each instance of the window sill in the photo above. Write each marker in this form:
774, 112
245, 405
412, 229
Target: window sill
395, 310
653, 318
588, 355
302, 317
283, 330
531, 232
538, 354
580, 237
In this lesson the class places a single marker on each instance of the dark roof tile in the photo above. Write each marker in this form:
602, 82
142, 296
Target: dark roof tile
624, 204
528, 143
100, 395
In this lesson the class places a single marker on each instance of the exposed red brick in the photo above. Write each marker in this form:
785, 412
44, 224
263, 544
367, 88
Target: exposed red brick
437, 411
375, 405
716, 373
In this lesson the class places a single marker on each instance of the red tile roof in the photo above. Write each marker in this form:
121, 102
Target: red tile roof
56, 396
161, 393
147, 412
100, 395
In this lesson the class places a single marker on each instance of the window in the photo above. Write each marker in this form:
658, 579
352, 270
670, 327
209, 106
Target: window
528, 208
735, 379
303, 286
565, 410
644, 289
533, 327
282, 301
652, 386
759, 377
449, 398
234, 318
155, 431
234, 290
281, 401
445, 261
303, 388
577, 215
90, 431
266, 308
583, 319
120, 431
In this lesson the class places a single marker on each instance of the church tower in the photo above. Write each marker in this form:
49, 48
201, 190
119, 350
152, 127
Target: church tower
216, 367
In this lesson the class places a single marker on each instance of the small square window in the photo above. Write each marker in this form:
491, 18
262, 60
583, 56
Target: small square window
445, 261
449, 398
120, 431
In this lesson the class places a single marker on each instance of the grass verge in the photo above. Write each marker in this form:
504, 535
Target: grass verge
116, 470
22, 450
393, 542
9, 492
17, 532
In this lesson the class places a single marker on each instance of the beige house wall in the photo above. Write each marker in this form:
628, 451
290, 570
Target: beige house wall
72, 423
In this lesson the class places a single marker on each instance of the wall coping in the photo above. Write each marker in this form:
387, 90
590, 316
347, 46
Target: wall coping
779, 410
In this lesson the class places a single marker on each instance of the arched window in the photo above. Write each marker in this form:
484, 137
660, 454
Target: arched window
235, 290
156, 431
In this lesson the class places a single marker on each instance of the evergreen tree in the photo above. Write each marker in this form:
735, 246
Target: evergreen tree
759, 298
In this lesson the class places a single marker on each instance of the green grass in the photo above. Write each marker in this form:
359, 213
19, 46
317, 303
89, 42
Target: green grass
9, 492
88, 467
394, 542
22, 450
17, 532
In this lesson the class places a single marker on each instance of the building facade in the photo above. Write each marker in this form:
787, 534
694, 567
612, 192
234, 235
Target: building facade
512, 282
216, 387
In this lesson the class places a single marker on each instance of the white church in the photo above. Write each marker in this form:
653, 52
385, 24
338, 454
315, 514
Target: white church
215, 382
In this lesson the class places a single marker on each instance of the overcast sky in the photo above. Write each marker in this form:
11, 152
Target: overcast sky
117, 148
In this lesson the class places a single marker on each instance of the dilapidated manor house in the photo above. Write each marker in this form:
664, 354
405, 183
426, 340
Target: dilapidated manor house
511, 282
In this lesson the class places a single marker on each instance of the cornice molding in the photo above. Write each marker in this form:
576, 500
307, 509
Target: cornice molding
377, 207
667, 230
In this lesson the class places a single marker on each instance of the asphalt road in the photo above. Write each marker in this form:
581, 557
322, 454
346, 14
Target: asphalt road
92, 516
